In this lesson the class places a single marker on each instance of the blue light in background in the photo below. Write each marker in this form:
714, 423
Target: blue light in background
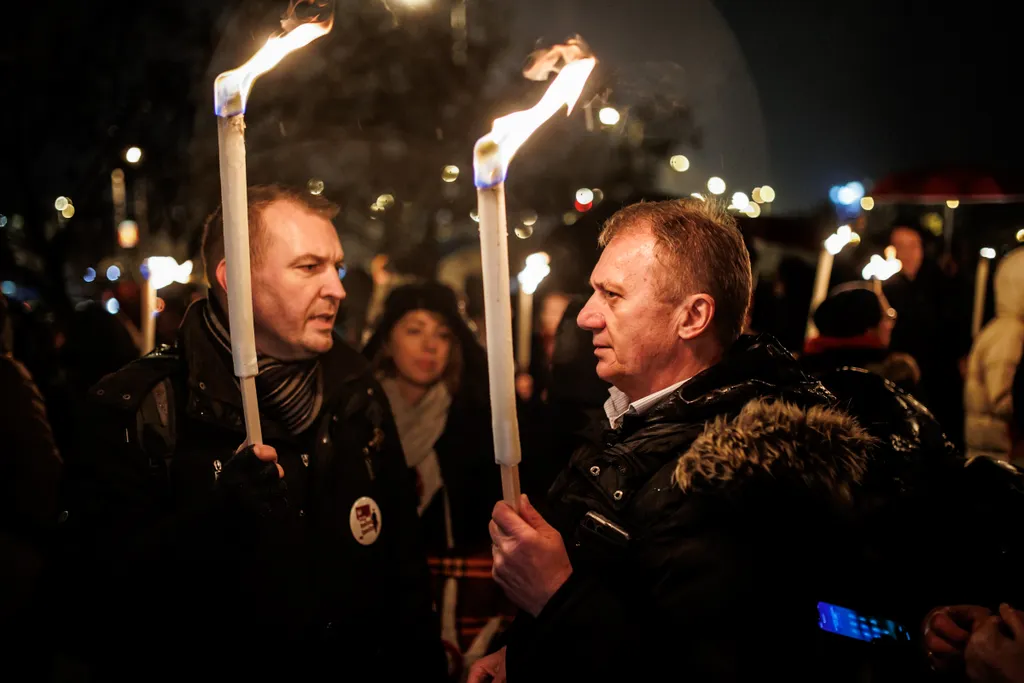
8, 288
113, 306
113, 272
90, 275
342, 272
846, 195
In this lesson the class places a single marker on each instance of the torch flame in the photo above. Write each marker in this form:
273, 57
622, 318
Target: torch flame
538, 267
163, 270
231, 89
883, 268
494, 151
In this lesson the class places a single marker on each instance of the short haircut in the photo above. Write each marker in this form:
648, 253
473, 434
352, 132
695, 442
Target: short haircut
702, 251
259, 198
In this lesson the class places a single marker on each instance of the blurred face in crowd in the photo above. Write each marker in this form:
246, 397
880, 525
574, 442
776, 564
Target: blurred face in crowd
909, 250
420, 345
296, 288
635, 323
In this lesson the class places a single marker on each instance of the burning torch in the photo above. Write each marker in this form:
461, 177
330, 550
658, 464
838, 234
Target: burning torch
491, 158
834, 244
537, 268
162, 271
880, 269
981, 288
230, 93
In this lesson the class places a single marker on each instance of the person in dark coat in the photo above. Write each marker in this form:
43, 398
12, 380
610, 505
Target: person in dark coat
435, 376
854, 330
30, 469
292, 560
730, 494
664, 553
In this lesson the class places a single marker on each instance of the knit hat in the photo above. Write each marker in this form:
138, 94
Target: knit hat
848, 313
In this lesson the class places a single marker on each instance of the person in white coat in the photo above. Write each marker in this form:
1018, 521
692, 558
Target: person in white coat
994, 358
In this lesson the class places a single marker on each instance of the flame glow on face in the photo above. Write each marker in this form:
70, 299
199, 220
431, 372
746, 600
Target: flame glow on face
494, 151
231, 89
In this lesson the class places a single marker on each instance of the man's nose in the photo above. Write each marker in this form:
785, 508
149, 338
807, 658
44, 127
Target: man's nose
332, 287
589, 318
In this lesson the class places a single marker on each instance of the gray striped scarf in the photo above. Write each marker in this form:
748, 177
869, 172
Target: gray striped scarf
290, 393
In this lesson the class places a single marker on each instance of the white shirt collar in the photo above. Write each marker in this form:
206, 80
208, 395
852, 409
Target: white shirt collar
618, 405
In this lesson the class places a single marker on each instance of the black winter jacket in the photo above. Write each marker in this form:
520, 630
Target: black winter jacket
187, 582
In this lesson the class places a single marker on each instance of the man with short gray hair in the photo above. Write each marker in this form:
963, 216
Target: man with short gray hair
677, 548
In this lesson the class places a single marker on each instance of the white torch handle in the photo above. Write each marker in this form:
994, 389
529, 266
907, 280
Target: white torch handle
822, 277
980, 290
525, 330
231, 139
498, 322
148, 316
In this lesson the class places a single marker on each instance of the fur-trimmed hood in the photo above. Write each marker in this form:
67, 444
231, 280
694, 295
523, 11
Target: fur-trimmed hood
822, 448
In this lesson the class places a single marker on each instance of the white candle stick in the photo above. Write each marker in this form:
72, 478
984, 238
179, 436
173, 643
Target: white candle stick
161, 271
234, 203
498, 324
148, 317
491, 158
231, 90
981, 289
823, 275
537, 268
524, 330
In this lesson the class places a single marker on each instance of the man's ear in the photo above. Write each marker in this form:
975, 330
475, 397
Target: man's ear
221, 273
696, 313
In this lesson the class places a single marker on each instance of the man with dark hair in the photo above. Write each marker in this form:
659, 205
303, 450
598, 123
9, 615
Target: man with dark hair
289, 559
666, 553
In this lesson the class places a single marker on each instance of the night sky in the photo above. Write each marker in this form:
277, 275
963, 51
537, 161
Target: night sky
801, 95
843, 90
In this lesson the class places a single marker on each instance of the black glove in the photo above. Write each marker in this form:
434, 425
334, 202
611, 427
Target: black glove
252, 485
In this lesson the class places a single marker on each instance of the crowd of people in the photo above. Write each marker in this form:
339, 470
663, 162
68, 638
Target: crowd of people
697, 497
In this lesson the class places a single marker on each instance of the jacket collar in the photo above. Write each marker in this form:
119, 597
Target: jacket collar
754, 366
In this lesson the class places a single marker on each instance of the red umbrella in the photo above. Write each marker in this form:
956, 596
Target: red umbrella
935, 186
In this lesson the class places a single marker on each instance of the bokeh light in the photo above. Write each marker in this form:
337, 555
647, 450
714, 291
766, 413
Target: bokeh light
716, 185
608, 116
524, 231
584, 195
679, 163
450, 173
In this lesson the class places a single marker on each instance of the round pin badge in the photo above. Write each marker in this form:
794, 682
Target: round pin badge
365, 520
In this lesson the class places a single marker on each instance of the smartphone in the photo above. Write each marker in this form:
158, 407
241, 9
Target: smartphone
847, 622
605, 529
